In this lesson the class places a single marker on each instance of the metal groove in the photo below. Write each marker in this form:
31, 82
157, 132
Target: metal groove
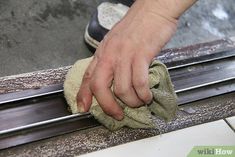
200, 62
204, 85
46, 122
48, 92
212, 87
7, 98
29, 94
88, 115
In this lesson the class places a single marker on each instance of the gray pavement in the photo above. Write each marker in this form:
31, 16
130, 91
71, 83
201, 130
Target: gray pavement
36, 35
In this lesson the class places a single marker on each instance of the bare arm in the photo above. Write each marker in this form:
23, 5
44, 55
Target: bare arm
174, 8
123, 57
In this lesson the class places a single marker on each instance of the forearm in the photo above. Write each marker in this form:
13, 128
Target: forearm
174, 8
169, 8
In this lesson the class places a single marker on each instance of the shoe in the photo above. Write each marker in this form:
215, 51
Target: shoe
106, 16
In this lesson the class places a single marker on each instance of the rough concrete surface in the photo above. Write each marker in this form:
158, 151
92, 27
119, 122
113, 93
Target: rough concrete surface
36, 35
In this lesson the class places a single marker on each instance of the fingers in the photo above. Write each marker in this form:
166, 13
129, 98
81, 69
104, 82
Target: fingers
123, 87
140, 79
84, 96
100, 86
130, 85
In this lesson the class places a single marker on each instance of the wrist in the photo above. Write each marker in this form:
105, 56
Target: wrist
158, 9
171, 9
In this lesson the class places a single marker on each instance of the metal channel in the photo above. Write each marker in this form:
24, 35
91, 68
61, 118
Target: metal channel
181, 101
205, 85
203, 60
199, 53
12, 97
50, 117
189, 77
46, 131
46, 122
32, 93
211, 90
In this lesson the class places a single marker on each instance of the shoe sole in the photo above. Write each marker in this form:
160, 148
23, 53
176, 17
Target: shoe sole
89, 40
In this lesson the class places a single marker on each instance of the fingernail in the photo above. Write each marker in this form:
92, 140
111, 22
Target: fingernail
81, 107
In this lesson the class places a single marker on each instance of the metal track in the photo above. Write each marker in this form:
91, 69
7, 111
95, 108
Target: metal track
41, 113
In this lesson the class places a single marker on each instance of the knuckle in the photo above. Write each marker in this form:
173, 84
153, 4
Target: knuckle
105, 61
140, 83
87, 75
136, 102
95, 86
146, 97
121, 91
79, 96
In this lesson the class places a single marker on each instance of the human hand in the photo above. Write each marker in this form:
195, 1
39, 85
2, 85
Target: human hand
123, 58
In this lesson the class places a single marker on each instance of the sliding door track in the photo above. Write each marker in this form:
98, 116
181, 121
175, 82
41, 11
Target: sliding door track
37, 114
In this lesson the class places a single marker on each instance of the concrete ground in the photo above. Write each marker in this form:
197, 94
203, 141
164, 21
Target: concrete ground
36, 35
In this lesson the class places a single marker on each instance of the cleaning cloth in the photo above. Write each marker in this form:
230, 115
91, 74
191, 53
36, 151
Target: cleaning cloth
163, 104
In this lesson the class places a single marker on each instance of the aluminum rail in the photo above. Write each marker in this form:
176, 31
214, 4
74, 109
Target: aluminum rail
29, 94
8, 98
206, 81
200, 62
204, 85
88, 115
57, 89
46, 122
